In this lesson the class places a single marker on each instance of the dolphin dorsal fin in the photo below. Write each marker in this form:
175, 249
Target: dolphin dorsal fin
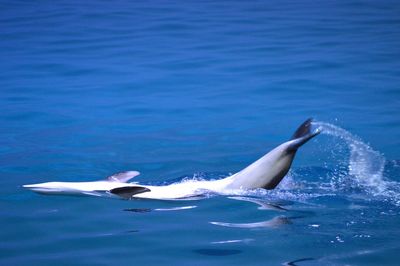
123, 176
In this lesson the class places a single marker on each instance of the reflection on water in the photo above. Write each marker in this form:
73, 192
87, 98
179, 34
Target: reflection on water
246, 240
263, 205
142, 210
272, 223
217, 252
297, 262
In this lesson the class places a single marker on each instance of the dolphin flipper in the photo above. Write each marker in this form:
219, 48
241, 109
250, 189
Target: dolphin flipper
129, 191
123, 176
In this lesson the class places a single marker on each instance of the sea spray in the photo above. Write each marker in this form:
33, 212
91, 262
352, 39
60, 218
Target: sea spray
365, 165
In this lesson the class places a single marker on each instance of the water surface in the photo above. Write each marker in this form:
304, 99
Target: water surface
199, 89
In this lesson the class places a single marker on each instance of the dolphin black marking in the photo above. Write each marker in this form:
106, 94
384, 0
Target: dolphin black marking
128, 192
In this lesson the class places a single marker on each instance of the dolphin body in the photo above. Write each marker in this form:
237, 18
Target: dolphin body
265, 173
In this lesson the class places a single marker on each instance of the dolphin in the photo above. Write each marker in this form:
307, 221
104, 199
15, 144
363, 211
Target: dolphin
265, 173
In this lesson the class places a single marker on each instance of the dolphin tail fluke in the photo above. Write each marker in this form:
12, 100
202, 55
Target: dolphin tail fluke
303, 134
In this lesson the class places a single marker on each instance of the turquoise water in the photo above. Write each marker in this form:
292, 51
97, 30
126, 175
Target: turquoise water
199, 89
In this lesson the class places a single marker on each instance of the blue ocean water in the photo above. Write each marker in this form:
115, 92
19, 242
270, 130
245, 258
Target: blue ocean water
199, 89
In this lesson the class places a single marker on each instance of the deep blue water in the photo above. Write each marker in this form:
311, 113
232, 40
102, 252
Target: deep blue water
200, 89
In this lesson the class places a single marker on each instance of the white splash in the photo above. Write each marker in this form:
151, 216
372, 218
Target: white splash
365, 164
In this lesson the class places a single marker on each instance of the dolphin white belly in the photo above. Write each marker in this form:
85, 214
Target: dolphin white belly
186, 189
266, 173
